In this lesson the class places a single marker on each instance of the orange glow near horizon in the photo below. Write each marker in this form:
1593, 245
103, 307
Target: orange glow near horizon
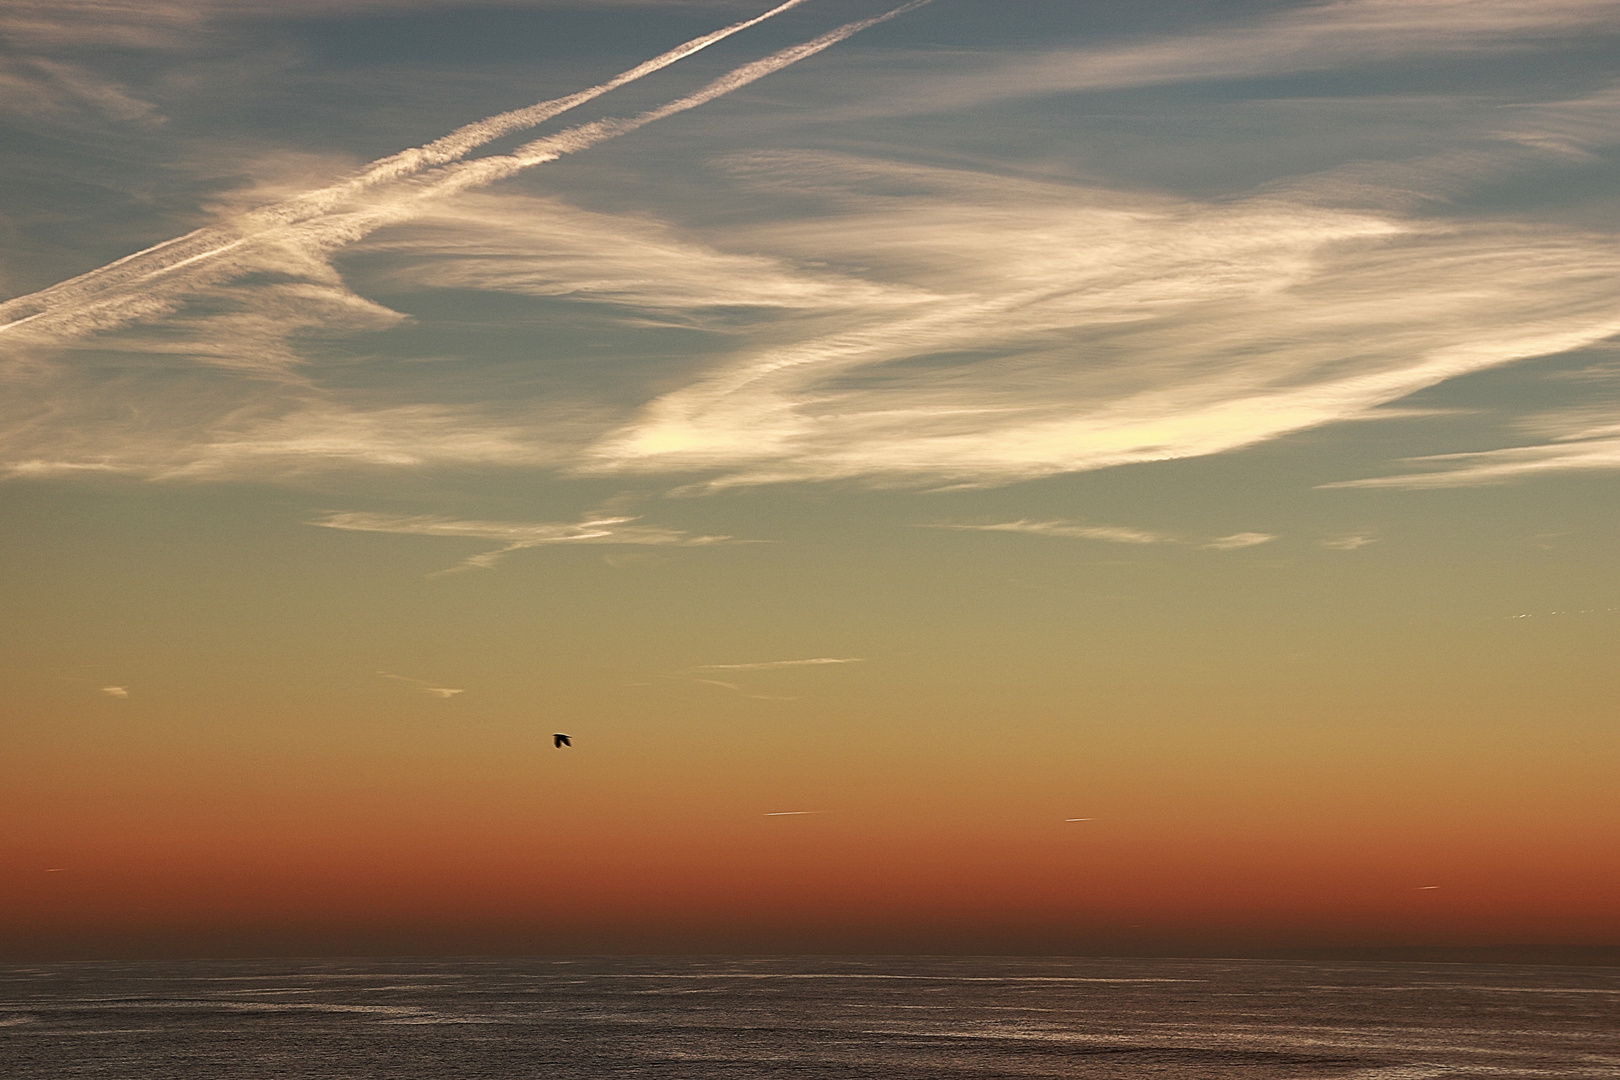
806, 841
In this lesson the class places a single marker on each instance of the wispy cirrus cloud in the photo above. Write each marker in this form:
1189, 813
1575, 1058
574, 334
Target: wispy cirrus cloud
998, 329
425, 687
517, 535
702, 674
40, 88
1299, 38
54, 24
547, 247
191, 288
1577, 439
1508, 465
168, 24
1078, 329
1114, 534
771, 665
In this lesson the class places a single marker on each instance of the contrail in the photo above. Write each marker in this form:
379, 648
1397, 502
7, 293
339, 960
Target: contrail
454, 178
54, 308
459, 142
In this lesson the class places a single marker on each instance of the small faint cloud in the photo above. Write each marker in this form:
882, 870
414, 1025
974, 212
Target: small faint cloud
425, 687
1239, 540
707, 682
116, 691
1349, 543
765, 665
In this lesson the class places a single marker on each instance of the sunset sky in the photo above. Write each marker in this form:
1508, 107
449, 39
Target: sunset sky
1016, 476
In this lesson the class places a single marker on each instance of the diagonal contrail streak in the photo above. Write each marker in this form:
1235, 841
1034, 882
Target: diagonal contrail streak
571, 141
156, 282
55, 307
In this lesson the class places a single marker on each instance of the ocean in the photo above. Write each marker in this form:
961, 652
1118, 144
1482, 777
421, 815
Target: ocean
884, 1018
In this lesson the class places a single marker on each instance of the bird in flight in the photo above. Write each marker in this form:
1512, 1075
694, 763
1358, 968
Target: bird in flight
560, 740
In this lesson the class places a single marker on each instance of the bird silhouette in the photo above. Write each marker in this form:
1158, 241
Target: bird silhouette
560, 740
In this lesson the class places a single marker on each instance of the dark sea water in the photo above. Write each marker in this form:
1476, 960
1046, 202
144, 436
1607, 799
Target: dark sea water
883, 1018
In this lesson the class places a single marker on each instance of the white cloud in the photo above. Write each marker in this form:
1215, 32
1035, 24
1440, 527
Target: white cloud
1349, 543
116, 691
1239, 540
1077, 329
445, 692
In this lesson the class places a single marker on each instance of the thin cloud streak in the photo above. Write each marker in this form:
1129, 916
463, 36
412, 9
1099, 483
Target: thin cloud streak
1112, 534
1508, 465
517, 535
426, 687
733, 687
1580, 439
767, 665
544, 247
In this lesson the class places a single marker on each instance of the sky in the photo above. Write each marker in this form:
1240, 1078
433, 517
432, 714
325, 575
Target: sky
1050, 476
